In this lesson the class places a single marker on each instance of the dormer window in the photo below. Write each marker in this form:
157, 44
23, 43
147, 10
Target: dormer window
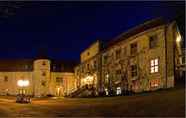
153, 41
133, 48
54, 67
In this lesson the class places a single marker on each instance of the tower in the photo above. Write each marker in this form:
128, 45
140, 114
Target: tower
41, 77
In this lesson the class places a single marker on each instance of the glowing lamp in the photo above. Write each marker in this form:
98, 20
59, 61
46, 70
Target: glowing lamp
178, 38
23, 83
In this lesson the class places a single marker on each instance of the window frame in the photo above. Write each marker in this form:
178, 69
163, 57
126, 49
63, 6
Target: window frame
43, 63
134, 71
133, 50
118, 53
154, 65
5, 78
153, 39
59, 80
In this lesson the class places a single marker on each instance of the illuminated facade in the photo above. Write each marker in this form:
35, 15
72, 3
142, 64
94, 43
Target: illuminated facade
141, 59
144, 58
42, 77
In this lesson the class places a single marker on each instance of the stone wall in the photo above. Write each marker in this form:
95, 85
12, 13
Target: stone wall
115, 62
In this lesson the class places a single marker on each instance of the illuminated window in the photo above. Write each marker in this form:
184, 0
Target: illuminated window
106, 91
155, 83
118, 91
134, 70
154, 65
153, 41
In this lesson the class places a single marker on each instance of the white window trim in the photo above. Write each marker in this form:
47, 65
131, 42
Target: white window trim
154, 65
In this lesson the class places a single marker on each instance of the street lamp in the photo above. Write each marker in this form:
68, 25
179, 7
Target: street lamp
21, 98
178, 38
23, 83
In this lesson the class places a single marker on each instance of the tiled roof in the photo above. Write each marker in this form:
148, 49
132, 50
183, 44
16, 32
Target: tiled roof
11, 65
62, 66
26, 65
140, 28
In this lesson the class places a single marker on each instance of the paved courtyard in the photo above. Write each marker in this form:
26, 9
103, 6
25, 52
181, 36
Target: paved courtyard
161, 103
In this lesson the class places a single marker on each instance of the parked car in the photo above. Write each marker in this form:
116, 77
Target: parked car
21, 98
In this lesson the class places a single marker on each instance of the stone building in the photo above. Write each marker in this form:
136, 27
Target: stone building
88, 72
141, 59
45, 77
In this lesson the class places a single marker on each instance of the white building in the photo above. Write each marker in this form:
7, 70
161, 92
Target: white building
45, 77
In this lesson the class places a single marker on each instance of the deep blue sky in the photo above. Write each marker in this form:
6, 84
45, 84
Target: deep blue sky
64, 29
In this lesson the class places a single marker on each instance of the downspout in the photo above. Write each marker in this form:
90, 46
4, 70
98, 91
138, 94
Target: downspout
174, 49
165, 56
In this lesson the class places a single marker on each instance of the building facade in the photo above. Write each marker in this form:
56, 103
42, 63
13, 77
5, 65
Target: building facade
145, 58
88, 72
45, 77
141, 59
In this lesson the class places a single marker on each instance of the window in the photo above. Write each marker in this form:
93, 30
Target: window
118, 72
54, 67
6, 79
118, 91
59, 80
43, 74
88, 53
133, 48
153, 41
134, 70
43, 63
124, 51
154, 66
183, 60
43, 83
95, 64
155, 83
118, 54
26, 67
88, 66
105, 57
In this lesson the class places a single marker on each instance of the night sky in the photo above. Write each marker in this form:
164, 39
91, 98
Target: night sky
64, 29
